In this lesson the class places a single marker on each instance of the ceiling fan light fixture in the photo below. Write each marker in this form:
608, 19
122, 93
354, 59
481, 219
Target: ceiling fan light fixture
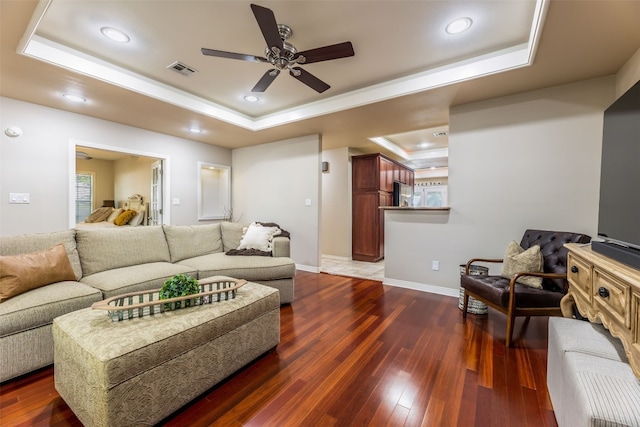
251, 98
83, 156
115, 35
459, 25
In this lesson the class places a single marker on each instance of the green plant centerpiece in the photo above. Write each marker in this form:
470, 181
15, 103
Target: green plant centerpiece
179, 285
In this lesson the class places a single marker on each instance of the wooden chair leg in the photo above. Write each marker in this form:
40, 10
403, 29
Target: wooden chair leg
510, 321
465, 303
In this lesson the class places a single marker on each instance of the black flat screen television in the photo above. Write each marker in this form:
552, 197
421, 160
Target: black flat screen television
619, 207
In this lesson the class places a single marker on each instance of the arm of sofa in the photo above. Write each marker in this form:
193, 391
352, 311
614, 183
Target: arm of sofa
281, 247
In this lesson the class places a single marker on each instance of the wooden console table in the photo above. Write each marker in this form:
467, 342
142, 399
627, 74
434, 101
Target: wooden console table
605, 291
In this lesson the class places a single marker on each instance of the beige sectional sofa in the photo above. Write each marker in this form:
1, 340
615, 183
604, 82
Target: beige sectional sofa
108, 262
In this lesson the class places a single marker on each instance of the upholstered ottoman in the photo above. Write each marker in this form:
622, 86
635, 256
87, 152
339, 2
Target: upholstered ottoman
589, 378
139, 371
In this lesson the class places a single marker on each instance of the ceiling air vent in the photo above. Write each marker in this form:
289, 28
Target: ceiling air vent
181, 68
440, 133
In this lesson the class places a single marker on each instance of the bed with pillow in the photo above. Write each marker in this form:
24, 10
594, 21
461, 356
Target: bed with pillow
132, 214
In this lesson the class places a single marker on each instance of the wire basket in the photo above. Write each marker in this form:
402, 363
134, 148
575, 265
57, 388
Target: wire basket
474, 306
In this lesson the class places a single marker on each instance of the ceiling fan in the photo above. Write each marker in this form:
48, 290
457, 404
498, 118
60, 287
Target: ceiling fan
284, 56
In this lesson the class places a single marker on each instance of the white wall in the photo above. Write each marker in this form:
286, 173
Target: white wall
38, 163
271, 183
335, 239
530, 160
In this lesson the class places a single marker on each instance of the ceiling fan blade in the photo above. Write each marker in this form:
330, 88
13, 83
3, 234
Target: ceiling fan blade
326, 53
231, 55
266, 80
268, 25
309, 79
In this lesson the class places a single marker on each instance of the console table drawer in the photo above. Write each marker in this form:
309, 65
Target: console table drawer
614, 296
579, 275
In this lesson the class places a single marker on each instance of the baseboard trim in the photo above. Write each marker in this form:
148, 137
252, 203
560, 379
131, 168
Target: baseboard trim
439, 290
336, 257
309, 268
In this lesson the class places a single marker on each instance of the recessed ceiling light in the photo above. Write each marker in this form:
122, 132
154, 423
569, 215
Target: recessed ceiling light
73, 98
195, 130
423, 145
115, 34
251, 98
459, 25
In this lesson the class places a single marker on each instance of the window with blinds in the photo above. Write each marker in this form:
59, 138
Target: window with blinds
84, 195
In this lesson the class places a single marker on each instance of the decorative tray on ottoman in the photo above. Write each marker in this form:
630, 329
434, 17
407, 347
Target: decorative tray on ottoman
148, 303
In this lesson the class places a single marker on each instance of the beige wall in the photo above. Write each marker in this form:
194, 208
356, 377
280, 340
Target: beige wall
40, 163
628, 75
530, 160
133, 176
103, 178
336, 204
271, 182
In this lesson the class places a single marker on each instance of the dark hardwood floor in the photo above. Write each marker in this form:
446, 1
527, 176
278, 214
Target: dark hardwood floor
356, 353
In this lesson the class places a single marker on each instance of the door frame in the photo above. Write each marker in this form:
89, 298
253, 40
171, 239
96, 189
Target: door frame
74, 143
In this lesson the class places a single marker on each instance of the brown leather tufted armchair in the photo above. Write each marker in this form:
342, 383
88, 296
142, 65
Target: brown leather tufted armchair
521, 300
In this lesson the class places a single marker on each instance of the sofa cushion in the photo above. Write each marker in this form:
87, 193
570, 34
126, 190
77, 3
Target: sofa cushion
14, 245
108, 248
24, 272
188, 241
135, 278
242, 267
231, 234
40, 306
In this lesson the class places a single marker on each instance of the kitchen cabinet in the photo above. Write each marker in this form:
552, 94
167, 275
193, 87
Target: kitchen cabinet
373, 178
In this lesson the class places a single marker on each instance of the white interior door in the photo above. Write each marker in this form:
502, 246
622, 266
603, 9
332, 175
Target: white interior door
155, 205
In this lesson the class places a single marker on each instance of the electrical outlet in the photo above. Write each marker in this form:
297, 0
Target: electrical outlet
435, 265
19, 198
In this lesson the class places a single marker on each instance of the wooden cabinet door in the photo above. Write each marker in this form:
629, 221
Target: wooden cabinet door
365, 227
386, 175
365, 173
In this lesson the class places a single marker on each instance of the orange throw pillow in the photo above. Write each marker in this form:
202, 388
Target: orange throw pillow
21, 273
125, 217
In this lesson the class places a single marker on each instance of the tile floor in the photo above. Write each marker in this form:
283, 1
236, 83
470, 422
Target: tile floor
346, 267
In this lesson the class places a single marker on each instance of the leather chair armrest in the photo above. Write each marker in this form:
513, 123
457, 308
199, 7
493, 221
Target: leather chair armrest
472, 260
512, 288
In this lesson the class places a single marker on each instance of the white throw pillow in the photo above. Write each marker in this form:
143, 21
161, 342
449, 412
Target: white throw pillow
137, 219
115, 214
258, 237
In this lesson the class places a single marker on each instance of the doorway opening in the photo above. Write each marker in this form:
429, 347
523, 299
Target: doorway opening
119, 174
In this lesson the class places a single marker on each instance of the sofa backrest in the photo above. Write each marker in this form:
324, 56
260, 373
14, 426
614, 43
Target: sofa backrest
27, 243
231, 234
188, 241
108, 248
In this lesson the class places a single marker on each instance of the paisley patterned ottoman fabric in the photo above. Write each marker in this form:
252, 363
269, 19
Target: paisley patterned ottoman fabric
139, 371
